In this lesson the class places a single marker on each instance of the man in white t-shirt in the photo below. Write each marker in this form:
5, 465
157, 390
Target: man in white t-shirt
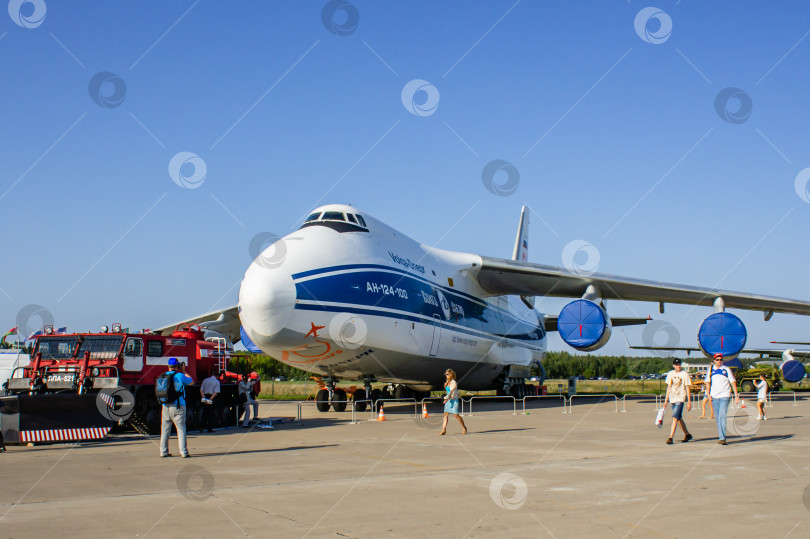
678, 382
720, 382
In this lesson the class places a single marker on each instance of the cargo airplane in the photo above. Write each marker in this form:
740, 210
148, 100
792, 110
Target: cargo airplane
347, 296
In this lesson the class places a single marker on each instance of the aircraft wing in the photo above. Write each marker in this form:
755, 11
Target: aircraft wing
225, 321
511, 277
762, 352
550, 322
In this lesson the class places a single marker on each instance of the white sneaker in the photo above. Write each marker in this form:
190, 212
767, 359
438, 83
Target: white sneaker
759, 417
765, 418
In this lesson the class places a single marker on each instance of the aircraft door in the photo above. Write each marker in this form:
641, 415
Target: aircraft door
437, 335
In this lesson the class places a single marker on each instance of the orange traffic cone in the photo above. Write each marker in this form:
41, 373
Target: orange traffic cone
742, 403
424, 411
381, 416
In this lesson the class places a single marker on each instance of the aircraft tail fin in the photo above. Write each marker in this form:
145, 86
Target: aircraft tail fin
521, 252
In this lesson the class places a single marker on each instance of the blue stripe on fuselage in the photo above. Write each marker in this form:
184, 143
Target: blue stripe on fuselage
399, 316
406, 295
349, 267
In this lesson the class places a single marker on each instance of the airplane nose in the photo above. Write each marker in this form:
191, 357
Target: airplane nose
266, 300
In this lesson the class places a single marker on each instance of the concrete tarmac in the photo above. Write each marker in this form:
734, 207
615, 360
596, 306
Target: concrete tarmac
591, 473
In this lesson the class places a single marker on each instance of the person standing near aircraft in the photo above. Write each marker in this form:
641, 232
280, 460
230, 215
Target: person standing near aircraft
762, 395
706, 399
678, 394
255, 389
2, 442
451, 401
210, 388
175, 411
245, 389
720, 382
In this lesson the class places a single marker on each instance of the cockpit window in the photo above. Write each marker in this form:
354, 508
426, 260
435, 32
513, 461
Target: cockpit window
333, 216
338, 221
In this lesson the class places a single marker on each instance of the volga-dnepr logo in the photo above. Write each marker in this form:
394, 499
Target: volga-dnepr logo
406, 262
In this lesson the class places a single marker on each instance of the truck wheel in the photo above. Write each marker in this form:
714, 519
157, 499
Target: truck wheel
322, 400
192, 418
227, 416
148, 410
339, 395
747, 386
153, 421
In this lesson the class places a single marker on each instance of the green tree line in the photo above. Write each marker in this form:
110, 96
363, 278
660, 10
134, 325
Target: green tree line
265, 366
566, 365
556, 364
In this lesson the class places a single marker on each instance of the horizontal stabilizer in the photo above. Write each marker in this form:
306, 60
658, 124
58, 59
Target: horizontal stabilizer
762, 352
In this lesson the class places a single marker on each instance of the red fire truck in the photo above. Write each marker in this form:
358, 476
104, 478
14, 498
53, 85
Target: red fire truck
79, 386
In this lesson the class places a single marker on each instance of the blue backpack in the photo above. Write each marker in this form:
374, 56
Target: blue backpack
165, 391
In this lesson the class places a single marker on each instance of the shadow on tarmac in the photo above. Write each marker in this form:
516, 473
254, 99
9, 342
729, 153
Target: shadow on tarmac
732, 441
269, 450
499, 430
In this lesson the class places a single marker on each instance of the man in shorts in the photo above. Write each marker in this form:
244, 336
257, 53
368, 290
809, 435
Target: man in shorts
762, 396
678, 394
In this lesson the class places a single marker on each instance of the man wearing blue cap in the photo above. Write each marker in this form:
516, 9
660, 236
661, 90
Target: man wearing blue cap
175, 411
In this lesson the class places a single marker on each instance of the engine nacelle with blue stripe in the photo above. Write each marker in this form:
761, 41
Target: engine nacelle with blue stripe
722, 333
584, 325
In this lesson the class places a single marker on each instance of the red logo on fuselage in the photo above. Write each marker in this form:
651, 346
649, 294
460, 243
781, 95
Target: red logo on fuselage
310, 352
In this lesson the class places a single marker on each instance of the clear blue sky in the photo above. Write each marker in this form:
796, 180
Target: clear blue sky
617, 140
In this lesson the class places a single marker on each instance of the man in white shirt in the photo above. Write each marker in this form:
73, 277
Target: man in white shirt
678, 382
720, 382
209, 390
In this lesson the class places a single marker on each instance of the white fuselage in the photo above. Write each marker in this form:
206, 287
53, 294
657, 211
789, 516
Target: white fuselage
349, 301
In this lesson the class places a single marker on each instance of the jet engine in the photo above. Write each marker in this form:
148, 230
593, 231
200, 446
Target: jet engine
722, 333
584, 325
792, 370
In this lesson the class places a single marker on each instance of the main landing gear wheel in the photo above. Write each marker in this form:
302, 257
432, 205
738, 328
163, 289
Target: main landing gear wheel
360, 395
518, 391
339, 400
322, 400
376, 395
